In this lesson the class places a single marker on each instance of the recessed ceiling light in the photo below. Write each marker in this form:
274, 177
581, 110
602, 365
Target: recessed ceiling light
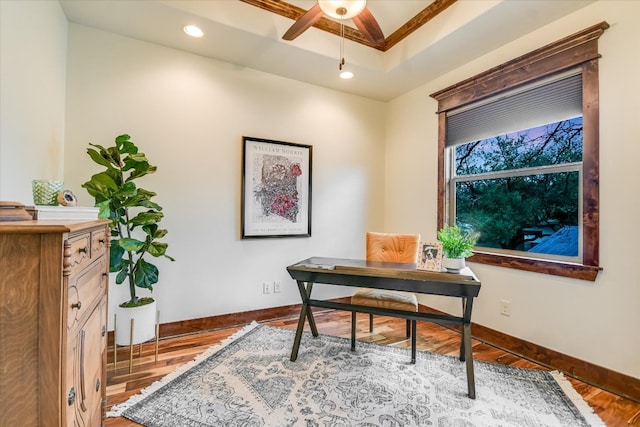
346, 75
193, 31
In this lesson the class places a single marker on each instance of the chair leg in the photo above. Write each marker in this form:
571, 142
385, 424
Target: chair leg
371, 323
413, 341
353, 331
408, 328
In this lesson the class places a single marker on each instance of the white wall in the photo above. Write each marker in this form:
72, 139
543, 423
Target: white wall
33, 42
593, 321
188, 114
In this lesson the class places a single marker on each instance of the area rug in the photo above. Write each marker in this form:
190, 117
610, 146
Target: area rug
249, 381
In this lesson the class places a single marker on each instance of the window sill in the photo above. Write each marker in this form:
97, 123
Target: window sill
556, 268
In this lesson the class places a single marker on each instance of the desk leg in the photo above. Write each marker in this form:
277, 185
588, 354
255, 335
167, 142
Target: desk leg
471, 383
414, 332
353, 331
305, 313
310, 318
466, 350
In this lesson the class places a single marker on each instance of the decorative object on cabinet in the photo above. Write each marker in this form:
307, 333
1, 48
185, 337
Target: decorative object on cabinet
13, 211
67, 198
45, 191
276, 189
53, 313
135, 218
430, 256
456, 246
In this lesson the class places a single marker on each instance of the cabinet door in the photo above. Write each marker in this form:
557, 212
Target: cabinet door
85, 379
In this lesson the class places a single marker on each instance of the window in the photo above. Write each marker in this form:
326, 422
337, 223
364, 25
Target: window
520, 191
518, 159
516, 163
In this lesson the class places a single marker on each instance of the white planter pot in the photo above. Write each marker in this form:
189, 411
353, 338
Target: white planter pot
453, 265
144, 326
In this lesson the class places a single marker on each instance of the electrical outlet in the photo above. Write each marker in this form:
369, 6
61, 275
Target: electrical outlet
505, 307
266, 287
276, 287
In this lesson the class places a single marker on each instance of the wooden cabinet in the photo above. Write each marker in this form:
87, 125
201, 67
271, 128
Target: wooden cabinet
53, 322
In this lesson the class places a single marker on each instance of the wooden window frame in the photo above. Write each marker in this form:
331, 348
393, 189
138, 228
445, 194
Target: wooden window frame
577, 50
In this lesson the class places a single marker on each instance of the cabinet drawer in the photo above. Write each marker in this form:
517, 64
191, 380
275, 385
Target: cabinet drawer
80, 251
98, 242
85, 289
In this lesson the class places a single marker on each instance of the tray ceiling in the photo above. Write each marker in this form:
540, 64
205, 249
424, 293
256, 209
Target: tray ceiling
423, 39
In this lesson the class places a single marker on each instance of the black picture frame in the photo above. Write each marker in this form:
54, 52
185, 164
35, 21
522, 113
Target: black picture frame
276, 189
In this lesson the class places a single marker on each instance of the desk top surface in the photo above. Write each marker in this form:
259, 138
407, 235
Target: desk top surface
391, 270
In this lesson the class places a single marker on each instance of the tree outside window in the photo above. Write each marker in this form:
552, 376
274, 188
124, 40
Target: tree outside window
520, 190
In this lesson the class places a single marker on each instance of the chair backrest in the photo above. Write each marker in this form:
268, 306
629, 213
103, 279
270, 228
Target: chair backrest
391, 247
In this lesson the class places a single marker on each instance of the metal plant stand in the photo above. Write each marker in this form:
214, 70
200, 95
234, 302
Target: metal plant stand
131, 345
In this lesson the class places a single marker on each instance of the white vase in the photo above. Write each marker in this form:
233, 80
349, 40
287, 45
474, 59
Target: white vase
453, 265
144, 326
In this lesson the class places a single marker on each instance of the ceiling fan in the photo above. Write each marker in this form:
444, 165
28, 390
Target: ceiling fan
356, 10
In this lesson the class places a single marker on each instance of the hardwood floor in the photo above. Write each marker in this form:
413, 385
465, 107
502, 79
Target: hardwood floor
614, 410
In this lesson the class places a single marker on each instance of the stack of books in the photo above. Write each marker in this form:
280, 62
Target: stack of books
63, 212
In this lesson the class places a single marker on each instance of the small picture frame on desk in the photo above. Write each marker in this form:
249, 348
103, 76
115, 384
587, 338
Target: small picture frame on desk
430, 256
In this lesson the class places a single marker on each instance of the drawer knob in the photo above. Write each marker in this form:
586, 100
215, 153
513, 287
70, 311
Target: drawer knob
84, 250
98, 385
72, 396
77, 305
104, 330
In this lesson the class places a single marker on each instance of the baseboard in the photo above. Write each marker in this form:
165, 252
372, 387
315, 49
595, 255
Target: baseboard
606, 379
211, 323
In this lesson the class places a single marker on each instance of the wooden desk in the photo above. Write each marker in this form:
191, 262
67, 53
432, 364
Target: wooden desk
392, 276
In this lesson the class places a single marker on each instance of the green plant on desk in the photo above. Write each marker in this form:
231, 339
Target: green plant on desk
456, 243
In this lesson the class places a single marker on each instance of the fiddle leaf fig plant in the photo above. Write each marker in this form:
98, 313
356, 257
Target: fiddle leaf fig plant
135, 218
456, 243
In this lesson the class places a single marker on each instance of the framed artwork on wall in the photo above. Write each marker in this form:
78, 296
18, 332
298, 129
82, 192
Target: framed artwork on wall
276, 189
430, 256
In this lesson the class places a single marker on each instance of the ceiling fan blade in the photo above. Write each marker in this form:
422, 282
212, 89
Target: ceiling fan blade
369, 27
312, 16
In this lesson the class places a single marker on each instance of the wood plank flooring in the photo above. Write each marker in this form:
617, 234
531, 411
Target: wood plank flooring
614, 410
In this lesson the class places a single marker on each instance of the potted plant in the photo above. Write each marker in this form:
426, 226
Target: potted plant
456, 246
135, 232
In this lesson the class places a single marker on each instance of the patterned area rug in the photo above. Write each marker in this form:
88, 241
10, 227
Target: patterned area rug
249, 381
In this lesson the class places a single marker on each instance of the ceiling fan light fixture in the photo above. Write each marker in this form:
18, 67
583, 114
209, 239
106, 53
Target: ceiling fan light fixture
193, 31
345, 72
342, 9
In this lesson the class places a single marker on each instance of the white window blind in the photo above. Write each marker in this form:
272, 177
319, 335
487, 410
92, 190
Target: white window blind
523, 108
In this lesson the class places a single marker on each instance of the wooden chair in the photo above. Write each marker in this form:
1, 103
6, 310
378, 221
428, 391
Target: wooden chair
388, 247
